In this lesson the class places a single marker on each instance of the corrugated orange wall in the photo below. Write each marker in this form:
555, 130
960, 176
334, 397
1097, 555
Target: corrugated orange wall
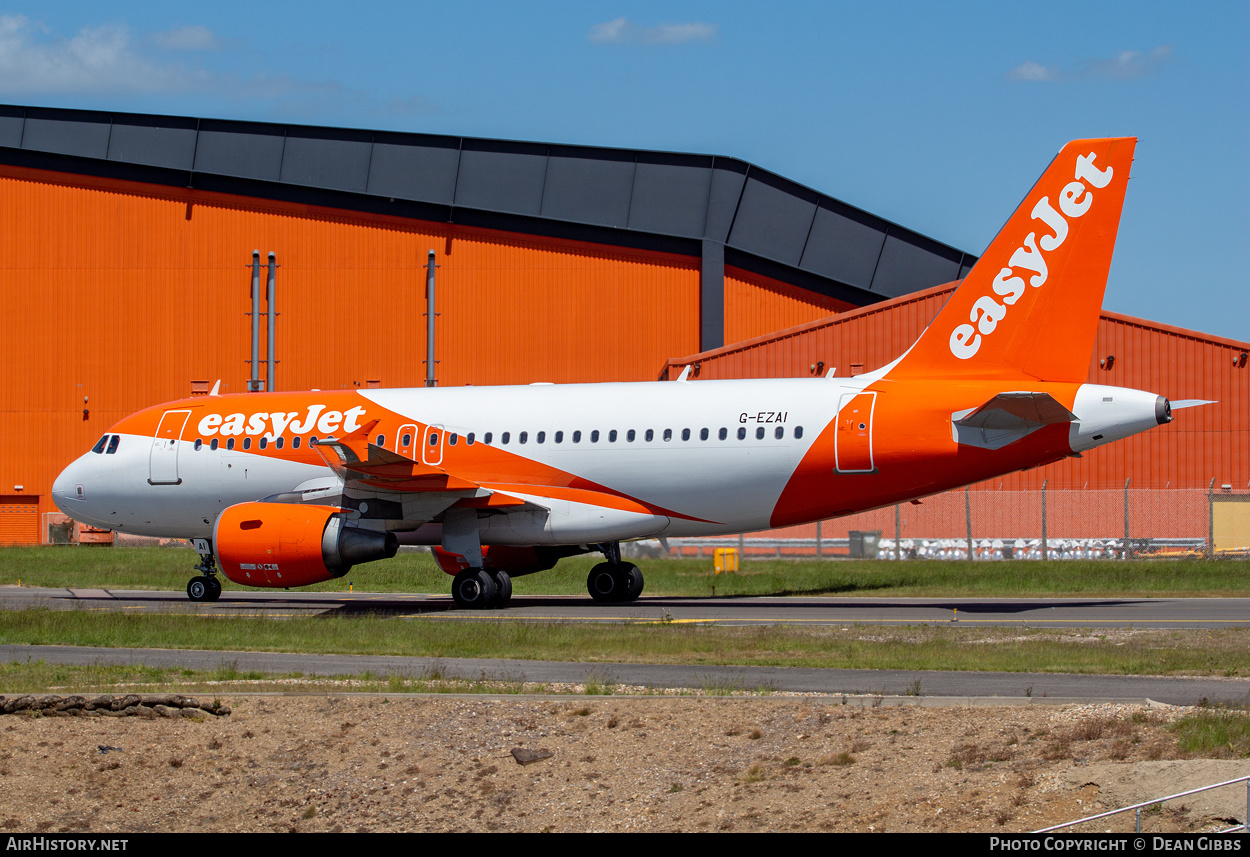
125, 293
1202, 443
756, 305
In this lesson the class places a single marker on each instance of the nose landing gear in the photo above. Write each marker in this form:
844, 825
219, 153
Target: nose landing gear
205, 587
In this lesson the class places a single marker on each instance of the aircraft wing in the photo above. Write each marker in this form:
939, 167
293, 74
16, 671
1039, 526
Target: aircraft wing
423, 491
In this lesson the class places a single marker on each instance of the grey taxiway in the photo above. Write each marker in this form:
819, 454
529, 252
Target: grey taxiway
1089, 613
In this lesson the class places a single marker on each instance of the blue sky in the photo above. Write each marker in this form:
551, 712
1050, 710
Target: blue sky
938, 116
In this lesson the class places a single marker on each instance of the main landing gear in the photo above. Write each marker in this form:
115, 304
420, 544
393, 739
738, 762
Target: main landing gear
614, 581
481, 589
206, 587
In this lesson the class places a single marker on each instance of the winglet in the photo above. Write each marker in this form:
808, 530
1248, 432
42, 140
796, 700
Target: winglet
1029, 308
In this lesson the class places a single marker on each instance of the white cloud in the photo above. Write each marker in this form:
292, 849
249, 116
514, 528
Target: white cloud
96, 60
1033, 71
109, 61
192, 37
622, 31
1125, 65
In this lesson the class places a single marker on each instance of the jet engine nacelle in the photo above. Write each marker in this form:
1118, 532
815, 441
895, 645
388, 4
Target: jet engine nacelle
287, 544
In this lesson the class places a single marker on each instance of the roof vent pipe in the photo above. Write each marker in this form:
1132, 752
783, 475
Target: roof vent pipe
254, 384
271, 310
429, 322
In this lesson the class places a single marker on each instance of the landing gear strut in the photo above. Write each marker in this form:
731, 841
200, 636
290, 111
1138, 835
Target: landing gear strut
614, 581
206, 587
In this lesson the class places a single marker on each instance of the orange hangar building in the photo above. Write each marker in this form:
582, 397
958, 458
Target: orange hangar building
127, 245
136, 259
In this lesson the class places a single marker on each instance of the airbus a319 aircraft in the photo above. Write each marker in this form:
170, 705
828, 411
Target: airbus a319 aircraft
289, 489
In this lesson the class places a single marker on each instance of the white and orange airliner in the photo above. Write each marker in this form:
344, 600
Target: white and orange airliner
289, 489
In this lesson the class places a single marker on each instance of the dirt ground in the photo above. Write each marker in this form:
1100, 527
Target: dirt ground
403, 763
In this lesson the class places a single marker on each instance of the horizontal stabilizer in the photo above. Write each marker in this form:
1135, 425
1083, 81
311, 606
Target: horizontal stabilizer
1007, 418
1013, 410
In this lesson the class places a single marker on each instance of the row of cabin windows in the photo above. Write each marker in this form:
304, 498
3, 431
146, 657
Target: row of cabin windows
576, 437
505, 438
247, 443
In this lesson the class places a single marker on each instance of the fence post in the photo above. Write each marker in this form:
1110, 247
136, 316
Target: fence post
1045, 555
1211, 554
898, 538
1126, 482
819, 554
968, 520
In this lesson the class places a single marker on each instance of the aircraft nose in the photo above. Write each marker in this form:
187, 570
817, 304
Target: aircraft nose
65, 487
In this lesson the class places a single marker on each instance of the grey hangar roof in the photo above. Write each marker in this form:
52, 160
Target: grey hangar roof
721, 209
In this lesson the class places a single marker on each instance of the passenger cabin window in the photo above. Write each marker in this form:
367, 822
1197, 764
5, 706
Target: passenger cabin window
98, 449
523, 437
559, 437
199, 444
469, 439
685, 434
505, 437
594, 436
264, 444
702, 434
452, 438
668, 435
630, 435
724, 433
230, 443
577, 437
779, 433
113, 441
612, 436
486, 438
247, 443
380, 440
280, 442
650, 435
759, 433
213, 444
541, 437
742, 434
295, 442
798, 432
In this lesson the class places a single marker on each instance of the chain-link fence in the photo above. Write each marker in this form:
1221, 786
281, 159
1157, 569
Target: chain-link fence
1035, 524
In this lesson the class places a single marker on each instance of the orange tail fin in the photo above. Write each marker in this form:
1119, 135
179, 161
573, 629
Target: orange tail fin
1029, 308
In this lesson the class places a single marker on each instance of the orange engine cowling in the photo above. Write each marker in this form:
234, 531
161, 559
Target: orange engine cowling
288, 544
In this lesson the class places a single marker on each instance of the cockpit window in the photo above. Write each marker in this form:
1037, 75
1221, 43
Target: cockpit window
99, 445
113, 444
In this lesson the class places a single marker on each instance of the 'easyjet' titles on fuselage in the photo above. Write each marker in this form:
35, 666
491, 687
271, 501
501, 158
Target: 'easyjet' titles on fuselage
316, 418
1074, 200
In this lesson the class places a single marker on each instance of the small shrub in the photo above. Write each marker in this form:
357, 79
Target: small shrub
838, 760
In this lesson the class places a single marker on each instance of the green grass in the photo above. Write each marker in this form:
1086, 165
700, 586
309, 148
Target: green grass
171, 568
38, 677
1219, 652
1220, 732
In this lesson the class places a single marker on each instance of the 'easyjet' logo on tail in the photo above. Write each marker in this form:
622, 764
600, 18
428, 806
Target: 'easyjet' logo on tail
1030, 258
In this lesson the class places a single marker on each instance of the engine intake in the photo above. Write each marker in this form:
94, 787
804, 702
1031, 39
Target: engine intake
284, 544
